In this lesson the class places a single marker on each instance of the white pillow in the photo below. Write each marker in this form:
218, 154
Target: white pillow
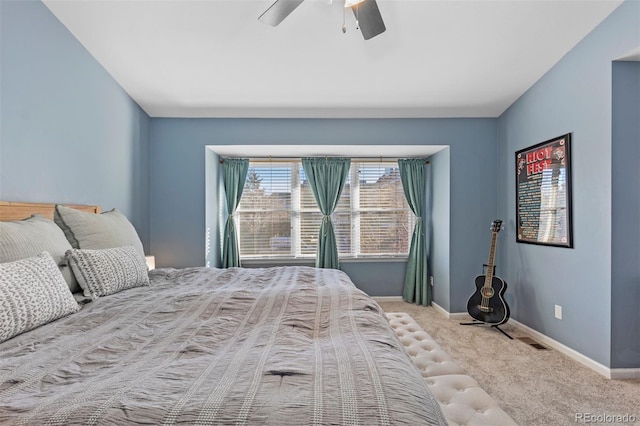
96, 231
30, 237
108, 271
33, 292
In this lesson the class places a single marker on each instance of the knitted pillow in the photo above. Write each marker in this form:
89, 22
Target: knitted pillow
32, 293
108, 271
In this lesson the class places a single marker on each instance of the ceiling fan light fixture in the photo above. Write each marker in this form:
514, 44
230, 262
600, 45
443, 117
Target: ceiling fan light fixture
351, 3
368, 18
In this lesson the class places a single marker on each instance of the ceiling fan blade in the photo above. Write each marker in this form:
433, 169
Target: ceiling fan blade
278, 11
369, 18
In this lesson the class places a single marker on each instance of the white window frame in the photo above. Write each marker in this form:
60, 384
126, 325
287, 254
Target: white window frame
296, 239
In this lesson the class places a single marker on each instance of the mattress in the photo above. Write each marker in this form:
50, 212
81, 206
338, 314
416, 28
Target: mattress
274, 346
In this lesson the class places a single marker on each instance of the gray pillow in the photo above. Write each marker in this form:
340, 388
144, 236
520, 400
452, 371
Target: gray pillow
97, 231
104, 272
32, 293
29, 237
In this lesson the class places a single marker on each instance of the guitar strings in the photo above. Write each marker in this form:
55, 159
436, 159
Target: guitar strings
484, 304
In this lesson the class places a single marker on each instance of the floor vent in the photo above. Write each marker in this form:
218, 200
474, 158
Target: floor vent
530, 341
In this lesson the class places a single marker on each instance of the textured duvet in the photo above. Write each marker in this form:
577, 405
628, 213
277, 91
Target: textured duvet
275, 346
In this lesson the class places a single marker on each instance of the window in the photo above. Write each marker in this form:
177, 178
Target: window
278, 217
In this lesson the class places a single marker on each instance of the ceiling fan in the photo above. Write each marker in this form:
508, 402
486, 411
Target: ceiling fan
367, 14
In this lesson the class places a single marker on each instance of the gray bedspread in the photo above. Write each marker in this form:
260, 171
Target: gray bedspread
277, 346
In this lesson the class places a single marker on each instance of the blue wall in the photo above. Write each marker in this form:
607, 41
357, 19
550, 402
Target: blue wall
625, 216
69, 132
441, 228
178, 191
574, 96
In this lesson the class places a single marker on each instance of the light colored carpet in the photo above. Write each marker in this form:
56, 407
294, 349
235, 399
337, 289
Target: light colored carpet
535, 387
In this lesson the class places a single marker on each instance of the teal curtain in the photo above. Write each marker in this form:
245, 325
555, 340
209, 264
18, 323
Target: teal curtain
414, 179
326, 178
234, 175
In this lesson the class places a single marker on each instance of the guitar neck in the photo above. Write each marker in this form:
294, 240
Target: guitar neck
492, 254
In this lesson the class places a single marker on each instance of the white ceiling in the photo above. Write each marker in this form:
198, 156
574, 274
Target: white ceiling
438, 58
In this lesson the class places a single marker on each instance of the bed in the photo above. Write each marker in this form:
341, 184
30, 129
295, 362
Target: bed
275, 346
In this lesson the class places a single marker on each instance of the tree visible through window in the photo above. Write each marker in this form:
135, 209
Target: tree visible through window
278, 216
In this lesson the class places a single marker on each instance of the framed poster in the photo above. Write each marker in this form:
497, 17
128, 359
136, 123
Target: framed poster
543, 193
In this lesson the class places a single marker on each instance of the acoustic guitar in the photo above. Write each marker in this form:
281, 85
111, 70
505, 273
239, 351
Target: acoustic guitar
487, 304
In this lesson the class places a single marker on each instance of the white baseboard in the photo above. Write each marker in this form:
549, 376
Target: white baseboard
387, 298
609, 373
438, 308
625, 373
449, 315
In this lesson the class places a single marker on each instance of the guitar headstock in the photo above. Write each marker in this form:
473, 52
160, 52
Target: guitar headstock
496, 226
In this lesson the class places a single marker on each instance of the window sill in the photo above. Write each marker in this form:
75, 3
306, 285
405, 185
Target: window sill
373, 259
277, 261
253, 262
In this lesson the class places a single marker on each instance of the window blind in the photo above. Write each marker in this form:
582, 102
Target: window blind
278, 215
384, 221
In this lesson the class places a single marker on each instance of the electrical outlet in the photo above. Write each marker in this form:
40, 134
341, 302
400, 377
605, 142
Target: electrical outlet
559, 312
431, 280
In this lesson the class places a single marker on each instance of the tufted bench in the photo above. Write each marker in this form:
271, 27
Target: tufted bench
462, 400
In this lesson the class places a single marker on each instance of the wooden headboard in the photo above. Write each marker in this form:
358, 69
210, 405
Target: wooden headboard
12, 210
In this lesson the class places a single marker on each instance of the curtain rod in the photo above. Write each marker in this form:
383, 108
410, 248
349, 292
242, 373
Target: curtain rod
290, 159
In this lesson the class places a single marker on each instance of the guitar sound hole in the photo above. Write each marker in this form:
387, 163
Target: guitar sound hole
487, 292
